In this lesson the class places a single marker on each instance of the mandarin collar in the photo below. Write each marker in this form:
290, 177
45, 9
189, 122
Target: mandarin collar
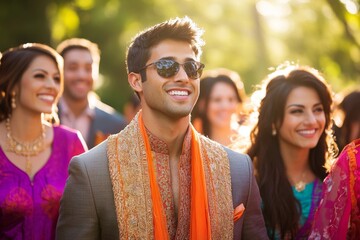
159, 146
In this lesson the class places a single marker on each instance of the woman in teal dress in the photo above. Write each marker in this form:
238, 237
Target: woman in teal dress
290, 144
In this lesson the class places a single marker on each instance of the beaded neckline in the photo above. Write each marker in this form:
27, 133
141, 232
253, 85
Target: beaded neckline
26, 149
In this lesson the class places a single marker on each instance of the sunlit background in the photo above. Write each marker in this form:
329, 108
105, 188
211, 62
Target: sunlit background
248, 36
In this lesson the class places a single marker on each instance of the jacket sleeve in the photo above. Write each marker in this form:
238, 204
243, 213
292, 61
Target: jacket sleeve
245, 191
253, 226
77, 215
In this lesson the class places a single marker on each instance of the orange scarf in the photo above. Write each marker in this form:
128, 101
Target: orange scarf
137, 195
200, 220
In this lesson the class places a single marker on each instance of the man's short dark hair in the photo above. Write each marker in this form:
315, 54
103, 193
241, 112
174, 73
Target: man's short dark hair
182, 29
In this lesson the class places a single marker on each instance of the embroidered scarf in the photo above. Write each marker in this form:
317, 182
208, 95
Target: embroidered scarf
137, 197
338, 215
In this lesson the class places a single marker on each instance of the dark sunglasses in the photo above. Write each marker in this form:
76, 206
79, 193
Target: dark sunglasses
168, 68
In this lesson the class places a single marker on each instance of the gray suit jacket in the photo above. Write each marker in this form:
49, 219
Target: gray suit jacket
106, 120
87, 208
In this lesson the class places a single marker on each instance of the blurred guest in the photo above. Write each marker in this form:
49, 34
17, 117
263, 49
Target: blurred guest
218, 112
348, 128
79, 107
290, 146
131, 107
34, 154
338, 215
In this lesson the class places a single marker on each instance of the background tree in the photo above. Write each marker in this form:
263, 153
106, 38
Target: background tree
248, 36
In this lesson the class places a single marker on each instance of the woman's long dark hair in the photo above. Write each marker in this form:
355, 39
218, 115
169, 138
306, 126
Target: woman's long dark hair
280, 207
350, 107
14, 62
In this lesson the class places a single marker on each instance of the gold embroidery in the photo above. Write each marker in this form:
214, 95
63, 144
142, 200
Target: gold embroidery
183, 232
131, 187
217, 170
130, 180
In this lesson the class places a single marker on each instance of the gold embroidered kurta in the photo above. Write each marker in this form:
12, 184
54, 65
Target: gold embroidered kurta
132, 193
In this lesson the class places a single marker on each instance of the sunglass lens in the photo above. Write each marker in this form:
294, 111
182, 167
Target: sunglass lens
193, 69
167, 68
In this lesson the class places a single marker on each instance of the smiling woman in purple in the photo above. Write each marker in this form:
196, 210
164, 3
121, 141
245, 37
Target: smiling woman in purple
34, 153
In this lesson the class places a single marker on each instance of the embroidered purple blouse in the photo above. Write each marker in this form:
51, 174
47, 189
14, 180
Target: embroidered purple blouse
29, 210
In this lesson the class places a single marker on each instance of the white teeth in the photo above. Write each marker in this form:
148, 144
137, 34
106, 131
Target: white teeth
178, 93
307, 131
47, 97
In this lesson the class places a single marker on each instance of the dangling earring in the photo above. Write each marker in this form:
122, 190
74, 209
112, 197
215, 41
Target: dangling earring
13, 102
273, 132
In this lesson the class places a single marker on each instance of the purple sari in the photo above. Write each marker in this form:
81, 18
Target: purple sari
29, 209
304, 231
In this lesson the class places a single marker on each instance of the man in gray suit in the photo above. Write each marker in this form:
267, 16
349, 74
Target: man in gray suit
158, 178
79, 107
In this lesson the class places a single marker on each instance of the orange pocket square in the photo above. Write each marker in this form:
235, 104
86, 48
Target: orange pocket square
238, 212
100, 136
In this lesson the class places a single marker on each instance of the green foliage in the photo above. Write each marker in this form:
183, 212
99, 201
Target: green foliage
247, 36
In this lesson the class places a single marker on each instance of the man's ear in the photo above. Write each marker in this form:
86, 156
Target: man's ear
135, 82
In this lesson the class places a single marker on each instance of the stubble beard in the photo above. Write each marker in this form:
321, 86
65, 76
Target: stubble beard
176, 112
73, 95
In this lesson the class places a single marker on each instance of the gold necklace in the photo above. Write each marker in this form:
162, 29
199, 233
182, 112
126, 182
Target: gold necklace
26, 149
300, 185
